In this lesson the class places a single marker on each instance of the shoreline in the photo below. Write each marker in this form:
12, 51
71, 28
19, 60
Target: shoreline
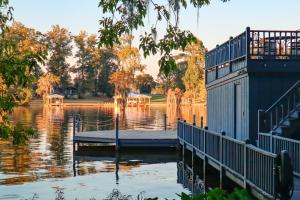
94, 103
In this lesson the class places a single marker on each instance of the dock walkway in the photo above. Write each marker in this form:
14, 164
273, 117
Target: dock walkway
129, 138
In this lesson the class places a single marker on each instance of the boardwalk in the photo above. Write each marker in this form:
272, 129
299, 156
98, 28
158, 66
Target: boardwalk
129, 138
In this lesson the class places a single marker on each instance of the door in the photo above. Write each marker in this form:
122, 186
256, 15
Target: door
238, 112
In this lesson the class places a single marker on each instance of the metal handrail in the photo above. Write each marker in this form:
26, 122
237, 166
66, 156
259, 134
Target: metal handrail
283, 107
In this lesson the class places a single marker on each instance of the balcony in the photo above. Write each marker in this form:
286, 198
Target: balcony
256, 51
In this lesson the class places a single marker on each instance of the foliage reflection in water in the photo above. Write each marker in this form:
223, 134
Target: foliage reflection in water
47, 162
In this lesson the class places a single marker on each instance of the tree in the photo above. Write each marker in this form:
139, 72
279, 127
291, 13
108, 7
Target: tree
128, 56
17, 66
194, 79
88, 64
29, 40
108, 65
59, 43
122, 17
144, 83
122, 81
45, 84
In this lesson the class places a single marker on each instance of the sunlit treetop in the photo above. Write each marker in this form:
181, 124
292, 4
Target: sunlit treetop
124, 16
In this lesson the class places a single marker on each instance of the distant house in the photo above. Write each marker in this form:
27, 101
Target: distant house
71, 93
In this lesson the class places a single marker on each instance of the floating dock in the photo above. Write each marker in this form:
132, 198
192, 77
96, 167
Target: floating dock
129, 138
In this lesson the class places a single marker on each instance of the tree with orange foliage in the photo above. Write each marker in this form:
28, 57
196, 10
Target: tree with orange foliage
45, 84
122, 81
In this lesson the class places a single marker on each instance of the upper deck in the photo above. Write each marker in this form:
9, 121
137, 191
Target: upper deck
255, 51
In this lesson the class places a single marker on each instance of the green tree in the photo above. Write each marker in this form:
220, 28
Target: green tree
123, 17
59, 43
144, 83
88, 64
16, 74
108, 65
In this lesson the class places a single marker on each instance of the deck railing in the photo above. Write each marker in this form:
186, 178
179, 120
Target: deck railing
275, 116
233, 54
276, 144
249, 163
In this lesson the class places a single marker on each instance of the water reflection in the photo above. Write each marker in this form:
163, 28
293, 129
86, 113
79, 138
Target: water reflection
50, 155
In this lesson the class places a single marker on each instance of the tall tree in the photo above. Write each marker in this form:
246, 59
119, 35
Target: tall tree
88, 64
128, 56
16, 71
194, 79
46, 83
144, 83
122, 81
123, 17
59, 43
108, 65
29, 40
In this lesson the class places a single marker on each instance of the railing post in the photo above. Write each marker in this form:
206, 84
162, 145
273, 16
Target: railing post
247, 45
261, 121
178, 121
229, 54
245, 162
221, 158
194, 120
194, 124
272, 146
165, 121
117, 132
183, 132
201, 121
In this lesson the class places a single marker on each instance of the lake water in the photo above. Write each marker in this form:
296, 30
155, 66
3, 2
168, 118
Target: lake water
46, 167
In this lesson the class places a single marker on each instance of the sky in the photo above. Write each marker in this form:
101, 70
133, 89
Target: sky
216, 22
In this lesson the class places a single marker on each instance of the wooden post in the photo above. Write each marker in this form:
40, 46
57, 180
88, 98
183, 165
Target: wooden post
261, 121
201, 121
74, 124
272, 147
205, 160
183, 137
230, 54
194, 120
245, 162
221, 159
117, 132
165, 121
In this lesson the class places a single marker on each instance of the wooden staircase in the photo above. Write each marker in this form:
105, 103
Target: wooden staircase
283, 117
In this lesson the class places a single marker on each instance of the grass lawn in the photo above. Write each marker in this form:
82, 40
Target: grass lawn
157, 98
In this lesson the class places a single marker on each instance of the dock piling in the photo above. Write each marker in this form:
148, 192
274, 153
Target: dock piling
117, 132
165, 121
194, 120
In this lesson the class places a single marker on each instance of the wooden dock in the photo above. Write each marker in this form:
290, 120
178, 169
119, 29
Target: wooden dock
249, 166
129, 138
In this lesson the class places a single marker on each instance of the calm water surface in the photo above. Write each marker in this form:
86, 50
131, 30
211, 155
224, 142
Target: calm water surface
48, 163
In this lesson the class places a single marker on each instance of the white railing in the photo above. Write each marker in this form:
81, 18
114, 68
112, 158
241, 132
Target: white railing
252, 165
276, 144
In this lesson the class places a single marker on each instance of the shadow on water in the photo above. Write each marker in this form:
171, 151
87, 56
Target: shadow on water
190, 170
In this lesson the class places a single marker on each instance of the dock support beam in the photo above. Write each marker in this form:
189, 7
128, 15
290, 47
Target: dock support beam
165, 121
117, 132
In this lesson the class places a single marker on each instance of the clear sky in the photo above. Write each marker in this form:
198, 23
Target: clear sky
217, 22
